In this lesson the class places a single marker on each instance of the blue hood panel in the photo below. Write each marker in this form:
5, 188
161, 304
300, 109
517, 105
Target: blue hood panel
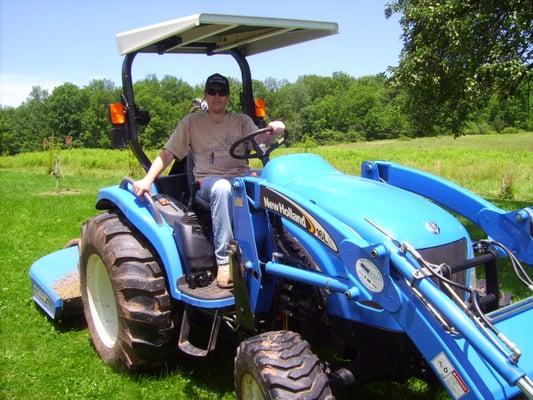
404, 215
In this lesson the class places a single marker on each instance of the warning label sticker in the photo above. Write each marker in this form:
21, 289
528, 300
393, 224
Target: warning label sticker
451, 378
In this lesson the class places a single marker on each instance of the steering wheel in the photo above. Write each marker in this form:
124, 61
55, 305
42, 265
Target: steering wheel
241, 148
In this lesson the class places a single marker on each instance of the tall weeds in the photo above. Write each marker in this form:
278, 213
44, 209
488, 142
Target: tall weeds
507, 186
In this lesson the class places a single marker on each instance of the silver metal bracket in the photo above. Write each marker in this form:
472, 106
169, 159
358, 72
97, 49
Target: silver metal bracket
187, 347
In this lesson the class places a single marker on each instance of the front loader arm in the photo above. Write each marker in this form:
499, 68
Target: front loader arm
513, 229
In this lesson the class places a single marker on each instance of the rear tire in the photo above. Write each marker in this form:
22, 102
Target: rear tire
125, 298
279, 365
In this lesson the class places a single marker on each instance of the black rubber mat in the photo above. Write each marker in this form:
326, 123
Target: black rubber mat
210, 292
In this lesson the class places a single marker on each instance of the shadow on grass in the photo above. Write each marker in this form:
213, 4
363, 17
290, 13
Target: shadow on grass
212, 374
215, 372
75, 322
71, 323
411, 390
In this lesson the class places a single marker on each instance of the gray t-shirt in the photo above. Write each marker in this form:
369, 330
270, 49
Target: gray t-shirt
209, 140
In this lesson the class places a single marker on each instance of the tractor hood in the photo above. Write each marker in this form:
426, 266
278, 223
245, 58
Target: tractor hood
355, 201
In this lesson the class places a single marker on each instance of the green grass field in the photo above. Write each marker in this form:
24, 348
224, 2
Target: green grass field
41, 360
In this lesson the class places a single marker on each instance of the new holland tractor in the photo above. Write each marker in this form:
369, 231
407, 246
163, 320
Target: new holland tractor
374, 272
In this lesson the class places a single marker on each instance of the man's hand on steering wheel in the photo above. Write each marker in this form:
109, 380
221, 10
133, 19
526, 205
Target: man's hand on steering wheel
263, 142
278, 127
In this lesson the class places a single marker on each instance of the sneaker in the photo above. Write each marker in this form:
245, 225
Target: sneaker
224, 280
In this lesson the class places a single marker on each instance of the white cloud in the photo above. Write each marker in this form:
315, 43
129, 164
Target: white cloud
15, 88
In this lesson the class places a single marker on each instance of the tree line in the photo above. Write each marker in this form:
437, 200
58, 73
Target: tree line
316, 109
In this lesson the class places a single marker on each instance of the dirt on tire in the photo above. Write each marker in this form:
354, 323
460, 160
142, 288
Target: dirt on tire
147, 336
283, 366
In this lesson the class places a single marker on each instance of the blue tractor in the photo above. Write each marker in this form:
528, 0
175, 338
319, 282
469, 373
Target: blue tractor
374, 271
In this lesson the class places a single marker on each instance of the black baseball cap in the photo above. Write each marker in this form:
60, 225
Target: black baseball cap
217, 81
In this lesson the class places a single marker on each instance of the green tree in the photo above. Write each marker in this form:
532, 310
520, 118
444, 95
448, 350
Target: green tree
457, 53
65, 106
351, 109
176, 91
510, 111
26, 126
9, 144
95, 125
288, 103
167, 101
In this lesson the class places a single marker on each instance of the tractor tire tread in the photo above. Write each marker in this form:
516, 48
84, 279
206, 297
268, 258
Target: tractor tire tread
147, 336
285, 365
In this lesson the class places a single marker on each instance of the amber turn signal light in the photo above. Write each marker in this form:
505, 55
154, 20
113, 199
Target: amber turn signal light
117, 114
260, 108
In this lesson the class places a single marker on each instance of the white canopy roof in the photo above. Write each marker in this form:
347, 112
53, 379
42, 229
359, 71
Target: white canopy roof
216, 33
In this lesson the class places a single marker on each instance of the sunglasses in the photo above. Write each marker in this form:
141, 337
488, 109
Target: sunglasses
220, 92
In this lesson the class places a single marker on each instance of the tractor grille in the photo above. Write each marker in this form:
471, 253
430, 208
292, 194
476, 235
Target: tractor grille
452, 254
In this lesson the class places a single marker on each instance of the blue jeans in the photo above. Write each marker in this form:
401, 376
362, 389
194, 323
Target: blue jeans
217, 191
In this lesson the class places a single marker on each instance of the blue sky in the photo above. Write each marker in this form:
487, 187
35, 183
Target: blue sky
50, 42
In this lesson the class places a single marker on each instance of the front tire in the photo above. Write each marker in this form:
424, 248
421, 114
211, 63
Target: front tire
279, 365
125, 298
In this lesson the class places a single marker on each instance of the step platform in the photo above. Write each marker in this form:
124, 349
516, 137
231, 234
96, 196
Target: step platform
209, 292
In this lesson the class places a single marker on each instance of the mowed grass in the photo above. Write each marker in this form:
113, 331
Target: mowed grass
43, 360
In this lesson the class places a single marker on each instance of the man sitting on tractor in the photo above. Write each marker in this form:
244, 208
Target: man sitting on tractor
208, 137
